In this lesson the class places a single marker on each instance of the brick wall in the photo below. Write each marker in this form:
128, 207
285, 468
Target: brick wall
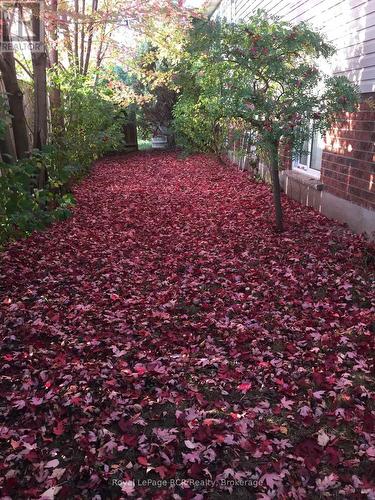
348, 163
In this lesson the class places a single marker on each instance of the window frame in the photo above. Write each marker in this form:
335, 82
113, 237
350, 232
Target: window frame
306, 169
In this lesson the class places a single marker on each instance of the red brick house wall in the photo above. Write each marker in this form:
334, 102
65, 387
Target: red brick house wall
345, 189
348, 163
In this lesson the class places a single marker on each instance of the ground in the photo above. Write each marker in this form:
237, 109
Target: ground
166, 341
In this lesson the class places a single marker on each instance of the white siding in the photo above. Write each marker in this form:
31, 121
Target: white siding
348, 24
225, 10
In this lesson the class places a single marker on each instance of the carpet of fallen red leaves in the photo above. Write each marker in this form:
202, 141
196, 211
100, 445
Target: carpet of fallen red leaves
165, 342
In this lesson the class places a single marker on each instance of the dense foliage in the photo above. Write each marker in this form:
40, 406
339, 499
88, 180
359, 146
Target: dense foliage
151, 91
164, 333
265, 74
93, 123
24, 204
153, 78
34, 190
74, 109
205, 107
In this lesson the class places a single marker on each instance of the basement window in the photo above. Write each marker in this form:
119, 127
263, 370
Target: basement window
309, 160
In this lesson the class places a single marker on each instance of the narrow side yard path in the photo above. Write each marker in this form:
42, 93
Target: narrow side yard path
165, 333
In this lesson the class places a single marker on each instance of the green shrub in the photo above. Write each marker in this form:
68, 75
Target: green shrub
35, 190
24, 206
93, 124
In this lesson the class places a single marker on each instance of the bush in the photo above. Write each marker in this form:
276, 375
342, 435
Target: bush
209, 99
93, 123
35, 190
199, 124
23, 205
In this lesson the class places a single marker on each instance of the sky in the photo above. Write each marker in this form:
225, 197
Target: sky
194, 3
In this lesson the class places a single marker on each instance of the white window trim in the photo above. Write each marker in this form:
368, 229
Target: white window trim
299, 167
307, 171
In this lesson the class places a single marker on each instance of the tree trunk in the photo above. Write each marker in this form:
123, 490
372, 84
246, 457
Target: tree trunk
102, 28
53, 33
82, 55
274, 153
68, 45
15, 97
40, 100
76, 13
55, 93
91, 33
100, 55
39, 62
7, 151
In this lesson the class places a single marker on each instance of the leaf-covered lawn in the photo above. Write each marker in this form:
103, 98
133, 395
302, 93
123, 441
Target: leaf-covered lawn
164, 342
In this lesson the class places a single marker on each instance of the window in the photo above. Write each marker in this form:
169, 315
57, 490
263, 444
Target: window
310, 159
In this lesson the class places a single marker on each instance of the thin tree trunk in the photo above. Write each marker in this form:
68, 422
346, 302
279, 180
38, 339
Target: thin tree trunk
103, 27
7, 149
102, 56
90, 37
102, 47
53, 33
55, 93
15, 96
76, 12
81, 61
276, 186
39, 62
68, 45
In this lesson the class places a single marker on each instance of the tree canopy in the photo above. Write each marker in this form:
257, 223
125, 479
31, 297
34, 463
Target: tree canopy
263, 75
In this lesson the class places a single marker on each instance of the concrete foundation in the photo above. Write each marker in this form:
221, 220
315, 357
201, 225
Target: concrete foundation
310, 192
